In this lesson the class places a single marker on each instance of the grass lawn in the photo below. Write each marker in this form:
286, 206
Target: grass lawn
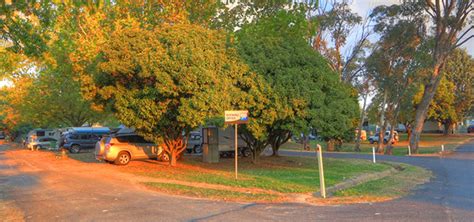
396, 185
280, 174
209, 193
429, 144
272, 179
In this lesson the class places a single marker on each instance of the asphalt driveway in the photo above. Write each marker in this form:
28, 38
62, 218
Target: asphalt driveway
51, 191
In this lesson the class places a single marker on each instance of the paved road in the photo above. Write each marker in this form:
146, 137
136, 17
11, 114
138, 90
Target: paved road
47, 192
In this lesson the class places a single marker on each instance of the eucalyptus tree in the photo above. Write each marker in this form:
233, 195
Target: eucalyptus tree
448, 19
393, 63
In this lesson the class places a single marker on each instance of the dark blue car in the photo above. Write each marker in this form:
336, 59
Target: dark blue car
79, 138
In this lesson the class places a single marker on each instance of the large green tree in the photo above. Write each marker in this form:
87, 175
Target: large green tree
308, 93
167, 81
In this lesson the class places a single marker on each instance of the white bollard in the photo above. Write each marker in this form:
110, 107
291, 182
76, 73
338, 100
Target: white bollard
373, 154
321, 170
409, 150
442, 147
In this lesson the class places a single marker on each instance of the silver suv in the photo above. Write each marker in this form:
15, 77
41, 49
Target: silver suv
120, 149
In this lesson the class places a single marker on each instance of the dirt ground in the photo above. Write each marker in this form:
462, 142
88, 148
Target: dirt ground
47, 188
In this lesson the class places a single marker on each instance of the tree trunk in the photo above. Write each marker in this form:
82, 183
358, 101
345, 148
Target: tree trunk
175, 144
361, 123
408, 128
446, 128
423, 107
388, 151
382, 122
331, 145
173, 158
278, 138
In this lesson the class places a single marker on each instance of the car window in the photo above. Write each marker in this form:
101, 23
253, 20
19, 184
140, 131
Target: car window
195, 137
124, 139
74, 136
94, 137
84, 137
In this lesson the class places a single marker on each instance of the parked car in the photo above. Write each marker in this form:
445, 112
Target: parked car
470, 129
42, 143
120, 149
2, 135
79, 138
375, 138
194, 142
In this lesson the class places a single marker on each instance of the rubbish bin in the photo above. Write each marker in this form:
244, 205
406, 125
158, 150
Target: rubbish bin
210, 146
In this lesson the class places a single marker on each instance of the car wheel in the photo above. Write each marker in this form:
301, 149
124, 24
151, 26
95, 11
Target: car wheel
197, 149
75, 149
246, 152
123, 158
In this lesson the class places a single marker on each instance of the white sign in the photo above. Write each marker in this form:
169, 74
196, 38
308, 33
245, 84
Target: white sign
236, 116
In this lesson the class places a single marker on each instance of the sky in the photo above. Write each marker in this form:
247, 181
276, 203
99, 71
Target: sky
363, 7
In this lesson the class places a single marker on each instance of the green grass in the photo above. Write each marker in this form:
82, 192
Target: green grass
395, 185
209, 193
282, 174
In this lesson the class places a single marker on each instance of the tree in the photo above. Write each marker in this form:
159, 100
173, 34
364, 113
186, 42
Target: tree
454, 97
393, 63
448, 18
38, 42
167, 81
307, 93
337, 23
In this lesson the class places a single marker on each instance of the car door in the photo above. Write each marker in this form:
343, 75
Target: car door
149, 149
84, 140
139, 146
93, 139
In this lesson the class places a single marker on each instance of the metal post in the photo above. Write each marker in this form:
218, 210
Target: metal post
409, 150
321, 171
373, 154
236, 154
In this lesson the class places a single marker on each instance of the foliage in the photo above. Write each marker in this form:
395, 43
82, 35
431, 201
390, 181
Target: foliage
335, 25
454, 97
237, 14
167, 81
448, 19
307, 94
394, 63
37, 40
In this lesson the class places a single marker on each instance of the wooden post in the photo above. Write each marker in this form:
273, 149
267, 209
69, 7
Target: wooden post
321, 171
373, 154
442, 147
236, 154
409, 150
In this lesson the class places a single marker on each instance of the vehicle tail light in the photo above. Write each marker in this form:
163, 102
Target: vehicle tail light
107, 146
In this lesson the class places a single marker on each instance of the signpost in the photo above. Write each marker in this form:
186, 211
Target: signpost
236, 117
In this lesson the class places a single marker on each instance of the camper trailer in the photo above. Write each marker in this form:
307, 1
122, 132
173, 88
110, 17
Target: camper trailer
42, 139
